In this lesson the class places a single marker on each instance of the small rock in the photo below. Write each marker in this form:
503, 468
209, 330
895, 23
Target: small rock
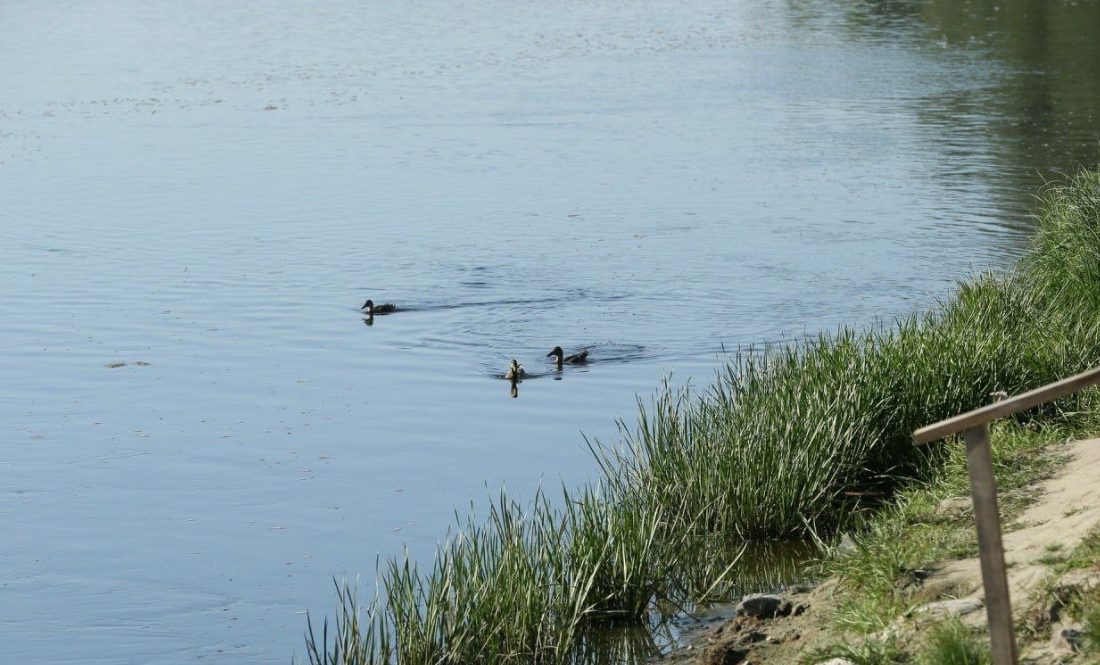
763, 606
1073, 584
1068, 638
845, 546
946, 608
1081, 580
955, 506
892, 632
1050, 612
912, 578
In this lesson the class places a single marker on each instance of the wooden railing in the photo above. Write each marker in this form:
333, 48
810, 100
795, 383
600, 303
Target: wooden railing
974, 426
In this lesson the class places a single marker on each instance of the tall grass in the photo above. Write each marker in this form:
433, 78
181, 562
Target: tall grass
519, 587
787, 443
787, 440
953, 643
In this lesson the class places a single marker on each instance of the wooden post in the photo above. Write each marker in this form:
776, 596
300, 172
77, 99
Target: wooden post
983, 490
974, 426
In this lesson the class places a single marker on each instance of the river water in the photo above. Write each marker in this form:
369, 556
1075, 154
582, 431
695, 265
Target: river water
199, 430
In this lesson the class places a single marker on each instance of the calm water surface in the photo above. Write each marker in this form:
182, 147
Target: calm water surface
199, 431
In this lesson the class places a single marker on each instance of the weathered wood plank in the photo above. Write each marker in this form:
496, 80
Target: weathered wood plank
1006, 407
983, 490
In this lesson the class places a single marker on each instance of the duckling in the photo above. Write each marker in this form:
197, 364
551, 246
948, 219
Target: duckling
575, 359
371, 309
515, 371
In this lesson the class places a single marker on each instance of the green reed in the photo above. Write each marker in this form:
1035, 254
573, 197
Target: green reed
789, 442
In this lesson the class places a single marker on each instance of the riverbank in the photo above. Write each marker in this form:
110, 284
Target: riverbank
790, 443
907, 588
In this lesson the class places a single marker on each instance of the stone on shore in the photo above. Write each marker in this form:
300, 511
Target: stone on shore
763, 606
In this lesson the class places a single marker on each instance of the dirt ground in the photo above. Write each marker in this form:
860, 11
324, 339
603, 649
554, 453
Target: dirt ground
1067, 509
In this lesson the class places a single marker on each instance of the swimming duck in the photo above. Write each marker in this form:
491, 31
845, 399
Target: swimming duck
575, 359
371, 309
515, 371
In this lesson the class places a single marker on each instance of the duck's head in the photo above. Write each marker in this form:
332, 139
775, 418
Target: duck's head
515, 371
368, 307
556, 352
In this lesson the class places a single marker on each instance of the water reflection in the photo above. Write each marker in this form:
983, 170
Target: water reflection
623, 644
595, 353
759, 568
1043, 95
654, 185
514, 375
1020, 105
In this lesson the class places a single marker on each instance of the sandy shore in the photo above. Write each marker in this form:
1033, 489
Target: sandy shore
1066, 510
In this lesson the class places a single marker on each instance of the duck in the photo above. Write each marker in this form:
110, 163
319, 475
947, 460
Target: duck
575, 359
515, 371
371, 309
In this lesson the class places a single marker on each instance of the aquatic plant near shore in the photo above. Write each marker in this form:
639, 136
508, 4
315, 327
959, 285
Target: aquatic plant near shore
517, 588
788, 442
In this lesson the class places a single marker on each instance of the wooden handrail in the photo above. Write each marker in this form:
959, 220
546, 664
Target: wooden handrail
1021, 402
974, 426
